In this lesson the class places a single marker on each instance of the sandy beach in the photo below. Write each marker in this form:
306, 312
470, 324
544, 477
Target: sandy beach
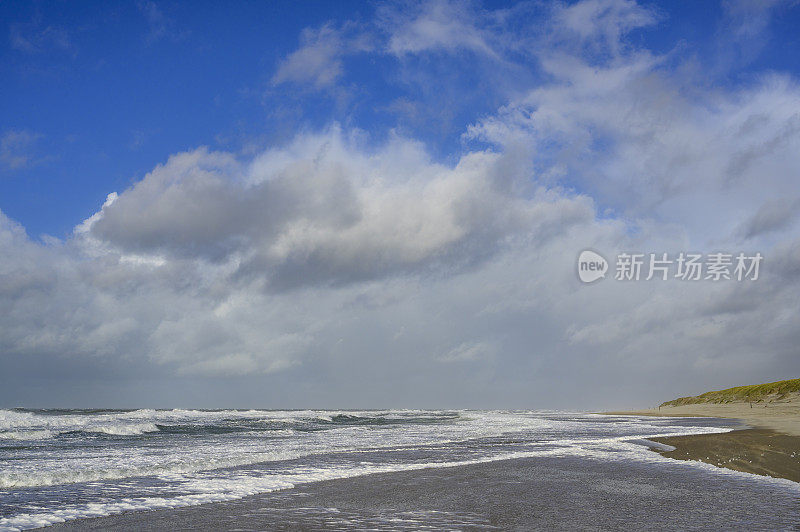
780, 416
771, 447
758, 451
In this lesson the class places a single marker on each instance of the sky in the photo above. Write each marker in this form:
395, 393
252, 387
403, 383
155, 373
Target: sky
381, 205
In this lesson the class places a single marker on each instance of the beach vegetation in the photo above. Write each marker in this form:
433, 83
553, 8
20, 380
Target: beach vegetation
755, 393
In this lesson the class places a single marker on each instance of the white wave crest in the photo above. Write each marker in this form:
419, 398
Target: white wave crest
25, 435
34, 426
124, 429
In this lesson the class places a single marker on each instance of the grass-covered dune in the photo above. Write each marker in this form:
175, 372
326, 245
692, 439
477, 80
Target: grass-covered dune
756, 393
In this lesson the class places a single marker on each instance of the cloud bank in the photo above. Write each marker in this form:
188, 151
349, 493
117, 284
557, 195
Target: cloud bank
348, 268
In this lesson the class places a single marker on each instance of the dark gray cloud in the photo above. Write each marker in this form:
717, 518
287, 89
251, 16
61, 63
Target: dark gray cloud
771, 216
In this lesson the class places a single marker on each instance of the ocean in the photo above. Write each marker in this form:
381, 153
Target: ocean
60, 465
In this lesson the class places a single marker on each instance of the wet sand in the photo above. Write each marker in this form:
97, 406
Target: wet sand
566, 493
771, 448
758, 451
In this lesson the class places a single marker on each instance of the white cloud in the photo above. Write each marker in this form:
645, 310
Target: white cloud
602, 23
468, 351
17, 148
438, 25
324, 210
431, 26
748, 20
645, 141
318, 60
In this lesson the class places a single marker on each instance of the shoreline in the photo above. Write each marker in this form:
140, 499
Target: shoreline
768, 445
757, 451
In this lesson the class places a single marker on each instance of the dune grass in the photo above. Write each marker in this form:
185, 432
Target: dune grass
756, 393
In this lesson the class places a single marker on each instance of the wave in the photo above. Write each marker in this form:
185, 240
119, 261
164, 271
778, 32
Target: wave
221, 490
25, 435
27, 479
124, 429
121, 429
217, 490
43, 424
178, 413
198, 456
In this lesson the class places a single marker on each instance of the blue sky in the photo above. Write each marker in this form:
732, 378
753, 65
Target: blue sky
266, 193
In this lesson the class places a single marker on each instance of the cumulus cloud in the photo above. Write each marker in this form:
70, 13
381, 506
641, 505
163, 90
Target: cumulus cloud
324, 210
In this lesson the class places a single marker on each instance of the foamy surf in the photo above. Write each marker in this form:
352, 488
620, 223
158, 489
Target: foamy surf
76, 464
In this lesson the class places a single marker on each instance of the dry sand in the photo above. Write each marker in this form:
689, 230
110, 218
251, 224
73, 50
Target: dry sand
780, 416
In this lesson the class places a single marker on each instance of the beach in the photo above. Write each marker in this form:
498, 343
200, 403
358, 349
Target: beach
757, 451
771, 447
781, 416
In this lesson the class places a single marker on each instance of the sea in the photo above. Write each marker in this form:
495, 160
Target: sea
60, 465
